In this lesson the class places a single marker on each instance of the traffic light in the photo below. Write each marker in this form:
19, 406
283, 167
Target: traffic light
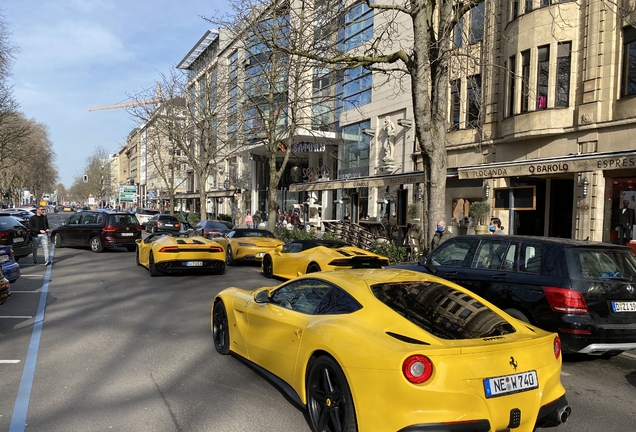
85, 178
6, 195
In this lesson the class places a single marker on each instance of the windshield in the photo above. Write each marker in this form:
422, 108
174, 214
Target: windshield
603, 264
254, 233
442, 311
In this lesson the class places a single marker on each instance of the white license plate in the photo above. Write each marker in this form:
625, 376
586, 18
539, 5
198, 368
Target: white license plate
629, 306
4, 258
260, 254
18, 240
508, 384
194, 263
127, 234
168, 224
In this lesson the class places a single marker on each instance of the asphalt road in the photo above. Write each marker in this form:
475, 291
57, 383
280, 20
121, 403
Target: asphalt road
120, 351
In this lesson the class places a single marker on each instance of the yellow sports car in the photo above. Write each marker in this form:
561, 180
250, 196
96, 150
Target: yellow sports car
298, 257
394, 350
166, 252
245, 244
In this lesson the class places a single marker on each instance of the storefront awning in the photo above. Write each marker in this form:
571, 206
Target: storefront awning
225, 193
410, 178
546, 166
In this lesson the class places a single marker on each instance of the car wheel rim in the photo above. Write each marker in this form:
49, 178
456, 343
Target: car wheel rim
267, 266
95, 244
326, 404
228, 255
219, 329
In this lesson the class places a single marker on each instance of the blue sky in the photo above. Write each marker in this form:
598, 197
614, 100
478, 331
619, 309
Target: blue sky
75, 54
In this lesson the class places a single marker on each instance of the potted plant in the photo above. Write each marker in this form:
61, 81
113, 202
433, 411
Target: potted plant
480, 210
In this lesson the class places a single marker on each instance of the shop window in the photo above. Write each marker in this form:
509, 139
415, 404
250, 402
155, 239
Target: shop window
543, 75
528, 6
525, 80
628, 87
515, 9
564, 59
355, 146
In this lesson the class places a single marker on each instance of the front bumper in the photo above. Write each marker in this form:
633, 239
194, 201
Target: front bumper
11, 271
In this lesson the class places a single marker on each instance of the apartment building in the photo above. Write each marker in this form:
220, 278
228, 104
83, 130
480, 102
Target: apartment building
540, 114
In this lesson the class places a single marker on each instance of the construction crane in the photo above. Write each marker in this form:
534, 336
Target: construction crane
153, 101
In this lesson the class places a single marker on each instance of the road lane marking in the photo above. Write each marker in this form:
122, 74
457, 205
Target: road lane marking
16, 316
9, 361
565, 373
21, 407
37, 291
629, 355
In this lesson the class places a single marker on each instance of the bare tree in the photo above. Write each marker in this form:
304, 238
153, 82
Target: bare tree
277, 86
413, 37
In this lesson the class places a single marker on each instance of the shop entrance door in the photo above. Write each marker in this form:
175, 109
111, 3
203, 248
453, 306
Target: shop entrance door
561, 198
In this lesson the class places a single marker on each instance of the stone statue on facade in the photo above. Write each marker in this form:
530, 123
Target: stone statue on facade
388, 137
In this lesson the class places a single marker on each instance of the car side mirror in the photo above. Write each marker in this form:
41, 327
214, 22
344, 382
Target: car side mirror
262, 297
422, 260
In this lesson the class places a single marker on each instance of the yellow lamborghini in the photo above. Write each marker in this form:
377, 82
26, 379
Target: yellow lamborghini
245, 244
166, 252
298, 257
394, 350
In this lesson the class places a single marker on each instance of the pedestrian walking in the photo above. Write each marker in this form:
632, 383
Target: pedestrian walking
626, 220
248, 220
39, 230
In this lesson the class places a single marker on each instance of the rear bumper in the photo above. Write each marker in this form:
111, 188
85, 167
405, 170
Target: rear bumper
179, 266
22, 250
117, 242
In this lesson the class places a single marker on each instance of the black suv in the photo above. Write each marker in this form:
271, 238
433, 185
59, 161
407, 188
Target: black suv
163, 223
585, 291
98, 230
14, 233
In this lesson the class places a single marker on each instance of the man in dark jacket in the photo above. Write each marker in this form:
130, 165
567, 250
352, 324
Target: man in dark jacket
441, 235
39, 230
626, 220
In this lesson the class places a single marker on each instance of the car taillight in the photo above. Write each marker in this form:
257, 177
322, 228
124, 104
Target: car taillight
557, 347
4, 234
109, 228
417, 368
177, 225
169, 249
565, 300
138, 227
216, 249
340, 262
159, 223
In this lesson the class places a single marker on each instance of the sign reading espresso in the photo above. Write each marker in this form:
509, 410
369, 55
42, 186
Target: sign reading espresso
564, 166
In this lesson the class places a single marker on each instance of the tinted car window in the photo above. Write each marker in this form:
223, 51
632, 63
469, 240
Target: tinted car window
292, 248
8, 222
530, 259
491, 254
337, 302
452, 254
254, 233
122, 219
168, 218
601, 264
441, 310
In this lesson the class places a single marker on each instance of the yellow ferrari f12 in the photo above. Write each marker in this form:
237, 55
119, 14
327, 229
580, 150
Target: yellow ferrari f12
395, 350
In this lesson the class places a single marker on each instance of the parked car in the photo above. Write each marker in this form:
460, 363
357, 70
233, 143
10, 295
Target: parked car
98, 229
163, 223
245, 244
22, 216
582, 290
211, 229
144, 214
298, 257
13, 233
443, 358
178, 253
5, 288
10, 268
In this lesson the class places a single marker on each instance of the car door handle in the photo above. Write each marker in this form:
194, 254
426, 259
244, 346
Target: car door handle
500, 276
453, 273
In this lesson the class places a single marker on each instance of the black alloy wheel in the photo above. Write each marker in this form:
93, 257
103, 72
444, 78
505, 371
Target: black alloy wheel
57, 241
229, 257
151, 266
268, 267
220, 329
313, 268
329, 400
137, 257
